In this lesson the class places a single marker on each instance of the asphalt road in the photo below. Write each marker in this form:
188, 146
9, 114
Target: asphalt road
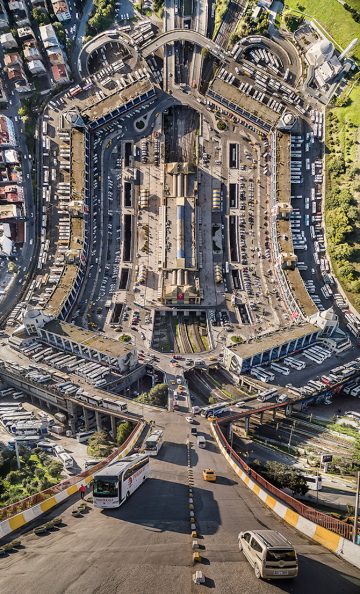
145, 546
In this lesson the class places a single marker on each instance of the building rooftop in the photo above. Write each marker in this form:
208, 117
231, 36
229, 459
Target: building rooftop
296, 282
233, 94
90, 339
272, 341
116, 99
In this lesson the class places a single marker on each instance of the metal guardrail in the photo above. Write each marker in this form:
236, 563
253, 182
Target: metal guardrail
20, 506
305, 511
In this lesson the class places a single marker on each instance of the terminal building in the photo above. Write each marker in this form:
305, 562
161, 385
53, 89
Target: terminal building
120, 356
242, 357
180, 262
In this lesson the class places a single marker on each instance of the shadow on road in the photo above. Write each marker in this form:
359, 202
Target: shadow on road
163, 506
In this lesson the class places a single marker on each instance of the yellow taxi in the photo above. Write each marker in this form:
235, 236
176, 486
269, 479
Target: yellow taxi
211, 418
209, 475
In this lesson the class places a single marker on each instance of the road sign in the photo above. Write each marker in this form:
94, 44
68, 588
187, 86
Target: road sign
326, 458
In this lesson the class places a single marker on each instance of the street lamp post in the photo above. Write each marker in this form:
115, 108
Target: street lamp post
356, 513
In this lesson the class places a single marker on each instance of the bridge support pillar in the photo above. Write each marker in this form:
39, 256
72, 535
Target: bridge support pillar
113, 426
247, 425
86, 418
261, 417
98, 420
72, 416
274, 414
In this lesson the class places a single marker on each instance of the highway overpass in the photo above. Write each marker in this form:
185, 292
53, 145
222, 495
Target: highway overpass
146, 546
183, 35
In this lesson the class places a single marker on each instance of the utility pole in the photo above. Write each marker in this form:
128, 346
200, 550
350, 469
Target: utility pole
356, 513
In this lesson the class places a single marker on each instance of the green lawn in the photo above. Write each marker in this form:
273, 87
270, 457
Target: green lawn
351, 113
337, 21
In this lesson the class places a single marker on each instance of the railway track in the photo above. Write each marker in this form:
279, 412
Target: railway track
304, 436
185, 344
231, 18
198, 339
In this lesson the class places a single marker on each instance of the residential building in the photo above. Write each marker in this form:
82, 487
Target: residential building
3, 96
61, 10
7, 132
4, 21
19, 12
32, 52
13, 59
36, 67
11, 193
48, 36
9, 156
8, 41
59, 73
25, 33
6, 243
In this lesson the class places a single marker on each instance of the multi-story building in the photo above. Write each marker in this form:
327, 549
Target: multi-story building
7, 40
61, 10
19, 12
4, 21
7, 132
36, 67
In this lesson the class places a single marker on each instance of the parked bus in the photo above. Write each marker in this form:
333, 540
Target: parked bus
314, 482
26, 441
114, 484
280, 368
84, 436
154, 442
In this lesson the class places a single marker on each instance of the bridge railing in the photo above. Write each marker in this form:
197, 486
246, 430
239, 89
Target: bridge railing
306, 511
20, 506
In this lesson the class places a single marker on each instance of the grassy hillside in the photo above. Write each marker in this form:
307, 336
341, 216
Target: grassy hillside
334, 18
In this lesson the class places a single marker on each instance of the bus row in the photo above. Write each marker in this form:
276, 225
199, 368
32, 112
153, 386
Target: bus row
93, 372
70, 389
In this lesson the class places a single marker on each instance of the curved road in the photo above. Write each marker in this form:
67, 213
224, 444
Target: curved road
145, 545
183, 35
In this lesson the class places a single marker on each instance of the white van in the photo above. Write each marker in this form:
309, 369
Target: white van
201, 441
271, 555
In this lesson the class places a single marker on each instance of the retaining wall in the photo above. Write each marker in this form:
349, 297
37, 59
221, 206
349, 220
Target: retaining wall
328, 539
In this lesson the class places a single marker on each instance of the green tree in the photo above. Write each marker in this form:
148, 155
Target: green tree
99, 444
157, 396
123, 432
55, 468
14, 477
60, 32
40, 16
40, 473
291, 21
282, 477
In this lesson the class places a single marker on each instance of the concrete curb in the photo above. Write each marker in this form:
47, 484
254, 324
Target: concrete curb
19, 520
330, 540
